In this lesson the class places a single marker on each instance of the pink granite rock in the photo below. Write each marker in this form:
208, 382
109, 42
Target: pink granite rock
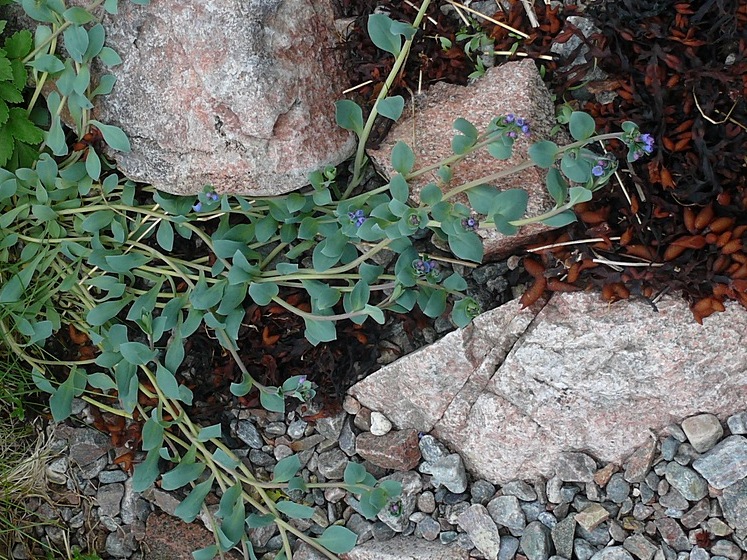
514, 87
240, 96
396, 450
581, 375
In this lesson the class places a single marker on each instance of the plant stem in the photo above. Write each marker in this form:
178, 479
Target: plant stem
398, 63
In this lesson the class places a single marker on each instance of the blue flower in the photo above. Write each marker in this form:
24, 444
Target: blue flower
424, 267
357, 217
470, 224
520, 122
213, 196
597, 170
510, 118
197, 207
525, 129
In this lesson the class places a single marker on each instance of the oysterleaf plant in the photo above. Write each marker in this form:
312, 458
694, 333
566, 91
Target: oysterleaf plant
87, 249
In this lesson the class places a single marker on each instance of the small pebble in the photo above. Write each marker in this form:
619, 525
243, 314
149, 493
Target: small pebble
380, 424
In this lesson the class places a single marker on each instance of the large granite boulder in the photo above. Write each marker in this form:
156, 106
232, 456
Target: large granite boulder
517, 388
238, 95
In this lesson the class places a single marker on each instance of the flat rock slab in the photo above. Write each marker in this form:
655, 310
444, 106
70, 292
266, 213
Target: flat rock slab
238, 95
517, 388
514, 87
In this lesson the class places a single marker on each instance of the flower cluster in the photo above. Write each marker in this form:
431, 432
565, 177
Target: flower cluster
211, 197
604, 165
470, 224
640, 145
395, 508
423, 267
357, 217
514, 125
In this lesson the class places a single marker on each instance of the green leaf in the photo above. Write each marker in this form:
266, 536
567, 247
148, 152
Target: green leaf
47, 63
354, 473
106, 84
207, 553
22, 128
185, 472
369, 273
61, 402
228, 501
255, 520
262, 293
137, 353
10, 93
265, 228
560, 220
93, 164
190, 507
467, 246
223, 458
466, 128
96, 38
152, 434
581, 125
392, 487
579, 195
125, 375
272, 401
338, 539
286, 469
147, 472
399, 188
380, 31
19, 44
319, 331
501, 150
103, 312
204, 297
241, 389
76, 42
77, 15
209, 432
109, 57
461, 144
113, 136
349, 116
482, 197
543, 153
233, 524
431, 194
557, 186
433, 304
322, 295
294, 510
101, 381
455, 282
43, 213
125, 263
41, 382
165, 235
358, 297
167, 382
403, 159
391, 107
463, 312
511, 203
575, 167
